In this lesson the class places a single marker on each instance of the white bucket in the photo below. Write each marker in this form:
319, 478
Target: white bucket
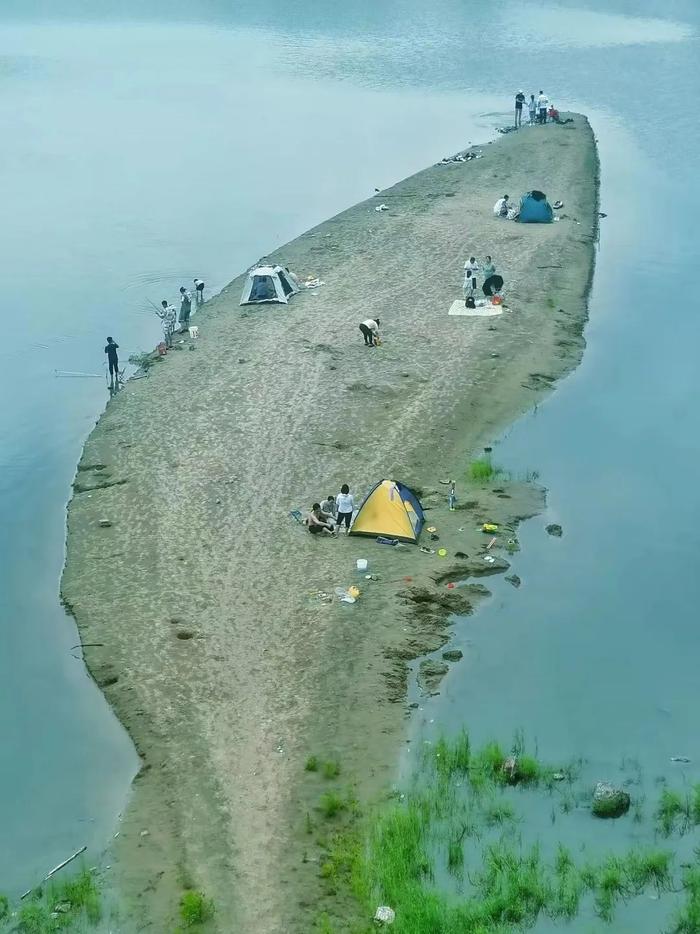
361, 564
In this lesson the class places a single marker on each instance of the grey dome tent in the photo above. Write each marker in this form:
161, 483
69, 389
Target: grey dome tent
267, 284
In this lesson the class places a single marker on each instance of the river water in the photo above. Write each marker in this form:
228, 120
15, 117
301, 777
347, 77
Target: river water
186, 140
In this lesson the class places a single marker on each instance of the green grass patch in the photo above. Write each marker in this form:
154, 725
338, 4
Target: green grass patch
331, 769
4, 906
195, 908
482, 469
311, 764
331, 804
673, 812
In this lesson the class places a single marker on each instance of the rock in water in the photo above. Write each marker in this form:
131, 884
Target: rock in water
555, 530
452, 655
431, 673
609, 801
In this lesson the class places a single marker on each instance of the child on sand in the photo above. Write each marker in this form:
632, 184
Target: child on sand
345, 503
470, 270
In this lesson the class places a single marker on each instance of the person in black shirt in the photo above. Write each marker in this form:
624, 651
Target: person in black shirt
519, 101
112, 359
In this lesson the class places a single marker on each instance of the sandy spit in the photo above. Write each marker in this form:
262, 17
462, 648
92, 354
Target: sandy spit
218, 658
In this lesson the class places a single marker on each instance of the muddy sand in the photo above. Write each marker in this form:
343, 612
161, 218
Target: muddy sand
218, 654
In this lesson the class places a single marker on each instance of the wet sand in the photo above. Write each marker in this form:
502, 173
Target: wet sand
217, 654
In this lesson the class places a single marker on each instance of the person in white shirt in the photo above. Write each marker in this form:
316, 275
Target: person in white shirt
345, 504
169, 318
199, 291
500, 208
532, 108
470, 270
185, 308
542, 104
370, 331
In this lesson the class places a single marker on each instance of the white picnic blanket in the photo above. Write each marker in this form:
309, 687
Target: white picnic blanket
487, 310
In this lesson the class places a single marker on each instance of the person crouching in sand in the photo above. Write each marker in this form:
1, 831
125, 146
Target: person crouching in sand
319, 522
370, 331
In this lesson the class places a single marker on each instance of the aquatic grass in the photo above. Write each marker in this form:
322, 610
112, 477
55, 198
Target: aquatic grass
4, 906
195, 908
331, 804
695, 804
331, 769
687, 918
452, 758
482, 469
34, 918
672, 806
496, 812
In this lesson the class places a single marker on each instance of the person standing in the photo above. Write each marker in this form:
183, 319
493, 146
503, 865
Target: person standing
185, 308
345, 504
112, 359
519, 101
471, 267
488, 269
199, 291
169, 318
370, 331
542, 104
532, 108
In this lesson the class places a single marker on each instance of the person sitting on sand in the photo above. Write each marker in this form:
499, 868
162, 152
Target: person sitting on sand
471, 267
370, 331
501, 207
319, 522
345, 504
329, 506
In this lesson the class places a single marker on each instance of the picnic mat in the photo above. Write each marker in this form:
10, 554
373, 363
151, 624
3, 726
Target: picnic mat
481, 311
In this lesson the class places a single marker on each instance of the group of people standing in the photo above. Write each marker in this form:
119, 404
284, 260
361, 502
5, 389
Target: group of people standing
492, 282
169, 315
538, 109
328, 517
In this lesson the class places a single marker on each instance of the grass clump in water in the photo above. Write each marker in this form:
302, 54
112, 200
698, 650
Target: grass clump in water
195, 908
331, 804
331, 769
482, 469
672, 807
453, 758
4, 906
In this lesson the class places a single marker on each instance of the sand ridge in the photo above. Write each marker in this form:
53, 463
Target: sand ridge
216, 655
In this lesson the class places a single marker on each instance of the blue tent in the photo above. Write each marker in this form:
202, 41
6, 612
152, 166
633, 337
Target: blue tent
535, 209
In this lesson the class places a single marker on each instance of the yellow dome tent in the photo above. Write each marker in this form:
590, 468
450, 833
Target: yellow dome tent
390, 509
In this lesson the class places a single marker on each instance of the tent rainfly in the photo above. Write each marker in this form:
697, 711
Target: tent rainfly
535, 209
269, 284
390, 509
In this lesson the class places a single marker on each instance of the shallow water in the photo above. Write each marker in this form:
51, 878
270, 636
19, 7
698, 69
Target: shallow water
146, 152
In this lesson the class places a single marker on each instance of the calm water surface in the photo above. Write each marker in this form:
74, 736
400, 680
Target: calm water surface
146, 152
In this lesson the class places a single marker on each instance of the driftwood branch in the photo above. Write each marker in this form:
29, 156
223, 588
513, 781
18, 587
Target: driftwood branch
64, 863
86, 645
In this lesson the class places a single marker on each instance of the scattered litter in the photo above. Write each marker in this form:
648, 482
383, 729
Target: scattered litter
386, 541
104, 523
313, 282
445, 482
491, 544
558, 205
371, 577
381, 207
431, 528
434, 537
145, 833
385, 915
361, 564
489, 527
489, 559
558, 776
451, 585
442, 552
427, 551
459, 157
680, 759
